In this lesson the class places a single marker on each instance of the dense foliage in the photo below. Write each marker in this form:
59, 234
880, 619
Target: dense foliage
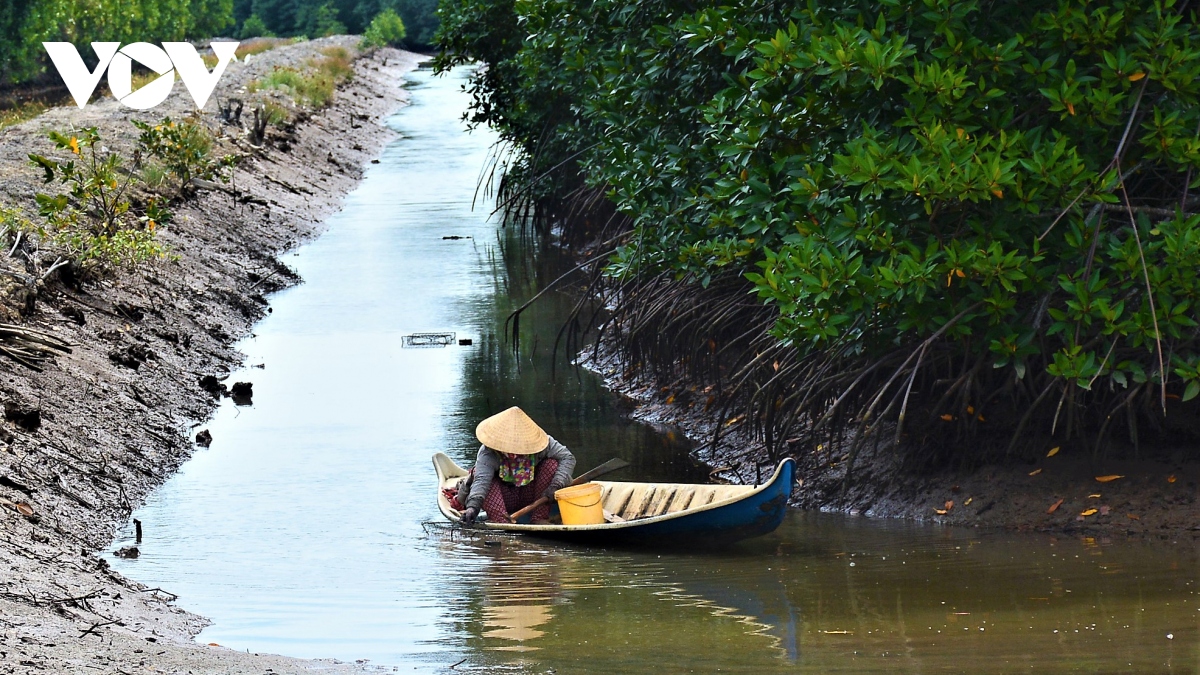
961, 204
318, 18
25, 24
387, 28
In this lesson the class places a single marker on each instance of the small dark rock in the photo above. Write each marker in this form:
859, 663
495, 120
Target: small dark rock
242, 393
465, 342
10, 483
131, 356
129, 311
128, 552
204, 439
213, 386
73, 313
25, 417
374, 161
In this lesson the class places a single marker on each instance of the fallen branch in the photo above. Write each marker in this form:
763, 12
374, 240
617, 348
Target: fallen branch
98, 624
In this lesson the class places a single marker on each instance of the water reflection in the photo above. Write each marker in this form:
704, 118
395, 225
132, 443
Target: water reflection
517, 590
530, 605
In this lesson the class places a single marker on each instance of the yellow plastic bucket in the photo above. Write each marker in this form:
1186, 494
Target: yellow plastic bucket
580, 504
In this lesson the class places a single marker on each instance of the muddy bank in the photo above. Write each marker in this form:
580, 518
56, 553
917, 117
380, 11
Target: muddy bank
86, 440
1153, 498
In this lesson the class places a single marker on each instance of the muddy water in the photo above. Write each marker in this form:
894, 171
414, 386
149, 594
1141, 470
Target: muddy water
309, 529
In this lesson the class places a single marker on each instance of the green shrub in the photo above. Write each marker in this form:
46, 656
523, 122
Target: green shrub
386, 30
254, 27
183, 148
13, 223
319, 20
93, 220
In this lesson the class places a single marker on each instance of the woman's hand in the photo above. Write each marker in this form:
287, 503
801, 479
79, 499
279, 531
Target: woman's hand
468, 515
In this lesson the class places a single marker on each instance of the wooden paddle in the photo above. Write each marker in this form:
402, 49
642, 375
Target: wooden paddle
607, 467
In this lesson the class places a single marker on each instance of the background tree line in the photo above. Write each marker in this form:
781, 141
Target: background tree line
25, 24
905, 222
317, 18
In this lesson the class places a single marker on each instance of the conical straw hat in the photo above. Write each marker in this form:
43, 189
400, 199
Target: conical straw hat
512, 431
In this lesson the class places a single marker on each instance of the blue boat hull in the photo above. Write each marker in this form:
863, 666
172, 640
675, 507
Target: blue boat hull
758, 514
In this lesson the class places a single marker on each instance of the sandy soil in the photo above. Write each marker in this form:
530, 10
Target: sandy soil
1153, 498
84, 442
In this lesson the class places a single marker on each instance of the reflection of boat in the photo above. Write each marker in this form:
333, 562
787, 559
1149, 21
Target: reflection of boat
652, 513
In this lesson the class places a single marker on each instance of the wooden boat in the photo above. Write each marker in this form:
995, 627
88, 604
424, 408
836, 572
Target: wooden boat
657, 513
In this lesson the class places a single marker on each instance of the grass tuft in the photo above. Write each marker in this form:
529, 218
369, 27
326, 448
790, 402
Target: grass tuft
26, 110
314, 85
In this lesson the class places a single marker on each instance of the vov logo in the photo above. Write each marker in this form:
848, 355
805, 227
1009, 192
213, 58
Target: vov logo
171, 58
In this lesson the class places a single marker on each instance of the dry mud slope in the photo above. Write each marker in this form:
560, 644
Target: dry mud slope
83, 442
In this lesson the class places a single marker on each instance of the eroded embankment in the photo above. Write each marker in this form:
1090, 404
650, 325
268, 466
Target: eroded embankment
1057, 493
87, 439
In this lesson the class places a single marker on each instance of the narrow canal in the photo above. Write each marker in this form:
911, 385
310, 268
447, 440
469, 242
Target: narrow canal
309, 527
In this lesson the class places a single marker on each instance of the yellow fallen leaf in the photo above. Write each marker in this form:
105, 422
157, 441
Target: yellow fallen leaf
1107, 479
1171, 479
1136, 76
1133, 517
1089, 512
940, 512
968, 502
970, 410
949, 504
980, 417
1095, 496
947, 417
1035, 472
1053, 451
670, 399
1054, 506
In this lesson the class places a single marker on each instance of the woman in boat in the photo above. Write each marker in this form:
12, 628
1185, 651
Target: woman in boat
517, 463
